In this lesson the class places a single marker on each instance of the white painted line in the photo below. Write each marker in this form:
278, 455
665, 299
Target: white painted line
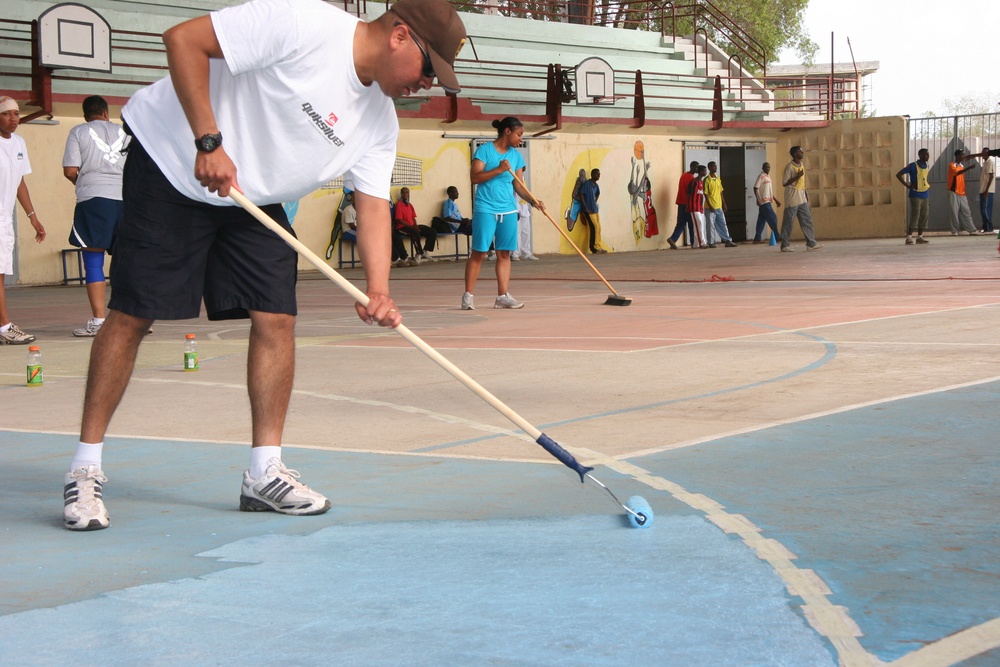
802, 418
955, 648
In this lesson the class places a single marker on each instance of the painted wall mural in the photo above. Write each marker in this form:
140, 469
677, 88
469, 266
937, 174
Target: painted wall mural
644, 222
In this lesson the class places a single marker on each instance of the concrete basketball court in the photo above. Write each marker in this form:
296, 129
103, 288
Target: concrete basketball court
815, 432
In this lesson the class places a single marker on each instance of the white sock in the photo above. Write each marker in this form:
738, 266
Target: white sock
5, 328
98, 320
87, 455
260, 458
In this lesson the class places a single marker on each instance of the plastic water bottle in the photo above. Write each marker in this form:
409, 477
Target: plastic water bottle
34, 366
190, 353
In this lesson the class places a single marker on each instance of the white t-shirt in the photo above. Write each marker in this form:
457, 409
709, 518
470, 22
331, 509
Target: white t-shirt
287, 99
988, 177
14, 166
764, 188
350, 217
95, 148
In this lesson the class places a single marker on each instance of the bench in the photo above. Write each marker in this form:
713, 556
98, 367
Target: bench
458, 253
347, 236
350, 237
79, 266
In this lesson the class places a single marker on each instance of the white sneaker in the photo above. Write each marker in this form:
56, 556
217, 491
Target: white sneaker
532, 258
490, 256
507, 301
411, 261
279, 490
787, 248
814, 247
14, 336
424, 257
83, 501
88, 331
467, 301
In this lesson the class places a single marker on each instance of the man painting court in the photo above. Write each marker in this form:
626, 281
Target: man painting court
319, 84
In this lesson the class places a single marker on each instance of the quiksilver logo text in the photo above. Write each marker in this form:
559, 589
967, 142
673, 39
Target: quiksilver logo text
322, 125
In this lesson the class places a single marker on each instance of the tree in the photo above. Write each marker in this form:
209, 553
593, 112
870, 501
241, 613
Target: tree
774, 24
972, 103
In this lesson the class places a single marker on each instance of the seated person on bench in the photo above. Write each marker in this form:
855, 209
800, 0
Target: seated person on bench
451, 217
405, 218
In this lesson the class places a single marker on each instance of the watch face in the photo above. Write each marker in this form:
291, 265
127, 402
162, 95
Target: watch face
208, 142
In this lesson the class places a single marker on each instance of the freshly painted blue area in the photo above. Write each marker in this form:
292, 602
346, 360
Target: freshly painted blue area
171, 500
422, 561
559, 591
894, 506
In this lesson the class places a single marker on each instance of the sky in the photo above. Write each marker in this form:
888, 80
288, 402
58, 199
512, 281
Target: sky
926, 48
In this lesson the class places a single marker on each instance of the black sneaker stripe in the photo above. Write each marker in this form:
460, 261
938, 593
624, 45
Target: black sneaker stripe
276, 490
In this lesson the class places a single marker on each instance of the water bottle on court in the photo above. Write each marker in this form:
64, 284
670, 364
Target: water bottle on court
190, 353
34, 366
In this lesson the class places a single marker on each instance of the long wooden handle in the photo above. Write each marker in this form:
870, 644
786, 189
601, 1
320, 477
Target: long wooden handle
362, 298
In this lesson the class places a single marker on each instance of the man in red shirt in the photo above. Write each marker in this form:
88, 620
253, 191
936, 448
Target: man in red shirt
683, 219
405, 219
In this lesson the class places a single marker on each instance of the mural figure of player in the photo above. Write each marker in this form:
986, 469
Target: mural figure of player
644, 222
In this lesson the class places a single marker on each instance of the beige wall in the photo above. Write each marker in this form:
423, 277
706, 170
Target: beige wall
851, 176
851, 167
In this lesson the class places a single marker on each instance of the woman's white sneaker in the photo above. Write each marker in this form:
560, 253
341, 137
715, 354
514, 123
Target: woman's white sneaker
507, 301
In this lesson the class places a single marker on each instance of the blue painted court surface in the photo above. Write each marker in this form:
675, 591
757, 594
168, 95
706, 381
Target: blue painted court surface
517, 564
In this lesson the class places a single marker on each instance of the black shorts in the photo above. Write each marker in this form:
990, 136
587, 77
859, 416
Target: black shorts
170, 252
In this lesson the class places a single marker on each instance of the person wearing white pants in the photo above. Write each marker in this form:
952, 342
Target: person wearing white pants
524, 249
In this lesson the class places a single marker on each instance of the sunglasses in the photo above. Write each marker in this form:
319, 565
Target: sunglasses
428, 70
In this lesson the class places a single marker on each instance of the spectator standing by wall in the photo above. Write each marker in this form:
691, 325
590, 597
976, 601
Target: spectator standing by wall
93, 162
524, 240
763, 192
715, 205
14, 165
987, 187
590, 211
696, 209
919, 187
796, 203
683, 216
959, 215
